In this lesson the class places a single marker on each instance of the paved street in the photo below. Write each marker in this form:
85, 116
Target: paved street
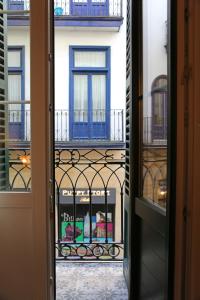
90, 281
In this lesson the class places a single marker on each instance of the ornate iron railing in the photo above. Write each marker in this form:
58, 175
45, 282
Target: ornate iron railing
93, 180
89, 191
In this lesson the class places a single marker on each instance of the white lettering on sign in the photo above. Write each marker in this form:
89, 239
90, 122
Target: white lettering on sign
69, 218
85, 193
84, 199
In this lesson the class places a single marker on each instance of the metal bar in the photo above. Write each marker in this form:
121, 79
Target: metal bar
66, 122
57, 127
61, 125
90, 208
114, 126
15, 102
106, 214
14, 12
74, 213
58, 215
122, 125
122, 215
26, 137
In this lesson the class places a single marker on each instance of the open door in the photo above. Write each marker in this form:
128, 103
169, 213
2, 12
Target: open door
26, 171
150, 161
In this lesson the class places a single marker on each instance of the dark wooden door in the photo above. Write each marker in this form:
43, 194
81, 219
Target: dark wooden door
150, 170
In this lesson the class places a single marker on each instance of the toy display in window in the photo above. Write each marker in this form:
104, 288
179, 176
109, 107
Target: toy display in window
82, 230
68, 231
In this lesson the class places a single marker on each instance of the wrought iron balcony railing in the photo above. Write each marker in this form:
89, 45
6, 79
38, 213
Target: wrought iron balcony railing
155, 131
96, 125
89, 197
78, 8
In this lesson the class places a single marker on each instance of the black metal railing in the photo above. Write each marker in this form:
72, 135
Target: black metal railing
90, 204
154, 131
73, 126
89, 186
106, 8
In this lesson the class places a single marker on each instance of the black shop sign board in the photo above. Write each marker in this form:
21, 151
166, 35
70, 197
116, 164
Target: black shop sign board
82, 196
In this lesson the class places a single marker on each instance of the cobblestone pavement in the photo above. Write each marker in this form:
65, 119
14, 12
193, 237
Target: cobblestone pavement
90, 281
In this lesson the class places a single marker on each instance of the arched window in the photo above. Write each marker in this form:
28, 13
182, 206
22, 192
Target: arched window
159, 108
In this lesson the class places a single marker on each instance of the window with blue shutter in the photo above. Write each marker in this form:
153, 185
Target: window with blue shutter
89, 7
16, 92
89, 92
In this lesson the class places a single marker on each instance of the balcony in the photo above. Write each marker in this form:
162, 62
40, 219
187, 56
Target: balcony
89, 197
78, 128
84, 13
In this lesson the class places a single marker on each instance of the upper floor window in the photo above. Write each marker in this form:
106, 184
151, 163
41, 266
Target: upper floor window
159, 108
89, 7
90, 92
16, 91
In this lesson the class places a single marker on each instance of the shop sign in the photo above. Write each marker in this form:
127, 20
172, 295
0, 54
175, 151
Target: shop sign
82, 196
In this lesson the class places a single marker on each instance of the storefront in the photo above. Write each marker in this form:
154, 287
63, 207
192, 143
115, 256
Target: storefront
75, 211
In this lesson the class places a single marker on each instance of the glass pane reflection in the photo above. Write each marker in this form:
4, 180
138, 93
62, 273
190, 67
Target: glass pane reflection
155, 100
15, 121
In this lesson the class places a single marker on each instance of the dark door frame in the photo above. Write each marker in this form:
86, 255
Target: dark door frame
135, 165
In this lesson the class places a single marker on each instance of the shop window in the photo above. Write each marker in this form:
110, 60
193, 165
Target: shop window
81, 218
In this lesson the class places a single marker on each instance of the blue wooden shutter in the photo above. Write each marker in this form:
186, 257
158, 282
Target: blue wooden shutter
3, 107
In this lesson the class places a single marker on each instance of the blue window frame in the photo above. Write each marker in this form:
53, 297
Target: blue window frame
89, 8
15, 5
16, 92
89, 92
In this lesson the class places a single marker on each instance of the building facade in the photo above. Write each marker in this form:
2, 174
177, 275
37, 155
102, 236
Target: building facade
28, 254
90, 59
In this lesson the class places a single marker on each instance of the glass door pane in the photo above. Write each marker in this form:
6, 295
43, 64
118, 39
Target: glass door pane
80, 120
15, 134
155, 98
80, 98
98, 98
14, 95
90, 59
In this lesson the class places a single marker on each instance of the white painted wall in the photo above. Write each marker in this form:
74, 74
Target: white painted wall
66, 37
154, 53
117, 42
